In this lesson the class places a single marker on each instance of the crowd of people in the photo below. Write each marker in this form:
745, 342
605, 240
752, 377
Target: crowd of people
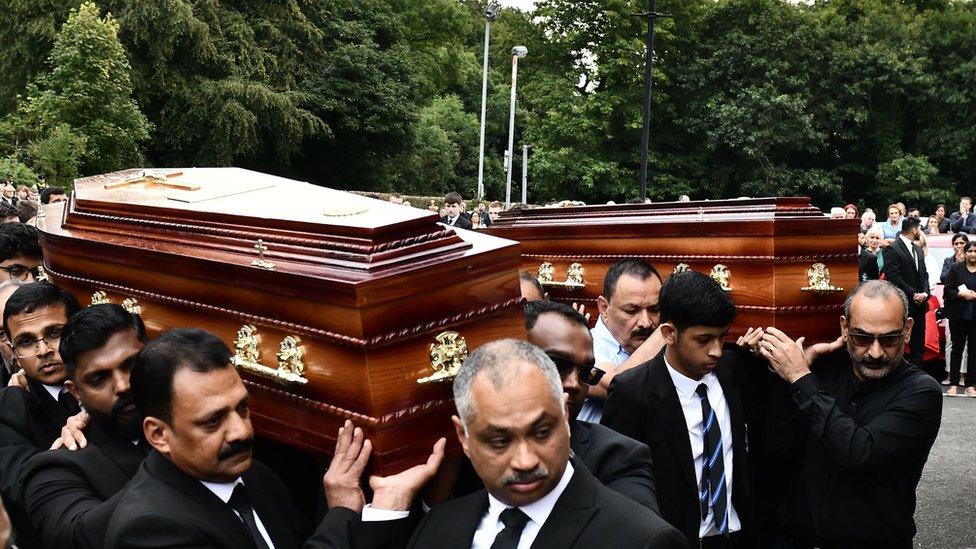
648, 430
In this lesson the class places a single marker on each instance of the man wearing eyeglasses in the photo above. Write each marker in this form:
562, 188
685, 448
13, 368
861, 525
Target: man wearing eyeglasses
855, 426
620, 463
20, 252
31, 420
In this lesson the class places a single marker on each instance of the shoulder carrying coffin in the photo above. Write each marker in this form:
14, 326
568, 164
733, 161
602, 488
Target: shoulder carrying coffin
337, 306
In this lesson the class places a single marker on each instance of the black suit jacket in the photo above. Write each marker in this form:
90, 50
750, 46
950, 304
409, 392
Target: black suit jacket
955, 276
586, 515
463, 222
69, 495
909, 275
620, 463
164, 507
29, 422
643, 404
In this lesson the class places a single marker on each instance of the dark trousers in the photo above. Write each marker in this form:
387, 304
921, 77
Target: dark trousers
962, 332
917, 340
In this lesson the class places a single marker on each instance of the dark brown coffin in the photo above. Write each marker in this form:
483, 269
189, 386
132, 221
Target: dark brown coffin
767, 245
365, 286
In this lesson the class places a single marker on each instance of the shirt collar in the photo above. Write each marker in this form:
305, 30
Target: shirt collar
223, 490
540, 510
684, 384
907, 242
603, 339
54, 390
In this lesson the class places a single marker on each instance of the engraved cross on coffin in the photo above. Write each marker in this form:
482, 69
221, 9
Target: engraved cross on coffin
183, 191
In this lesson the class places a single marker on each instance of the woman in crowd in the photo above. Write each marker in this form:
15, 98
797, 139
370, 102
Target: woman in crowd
960, 298
932, 226
959, 242
871, 262
850, 211
892, 226
940, 215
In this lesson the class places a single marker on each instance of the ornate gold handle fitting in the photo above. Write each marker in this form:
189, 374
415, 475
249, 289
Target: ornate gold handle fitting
446, 355
574, 276
291, 357
818, 278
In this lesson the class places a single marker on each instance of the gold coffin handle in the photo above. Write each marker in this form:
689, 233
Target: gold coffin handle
818, 278
291, 358
446, 355
574, 276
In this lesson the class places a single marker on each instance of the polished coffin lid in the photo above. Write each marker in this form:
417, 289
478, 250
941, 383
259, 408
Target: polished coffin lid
366, 288
764, 248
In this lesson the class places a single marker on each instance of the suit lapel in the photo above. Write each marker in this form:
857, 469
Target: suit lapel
906, 254
276, 525
573, 511
466, 514
733, 398
672, 419
46, 406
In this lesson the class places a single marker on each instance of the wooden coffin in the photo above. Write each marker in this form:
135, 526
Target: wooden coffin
337, 306
784, 263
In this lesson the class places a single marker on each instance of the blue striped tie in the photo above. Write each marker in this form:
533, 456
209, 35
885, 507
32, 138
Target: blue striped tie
712, 492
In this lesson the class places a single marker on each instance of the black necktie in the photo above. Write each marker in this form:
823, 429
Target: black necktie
241, 503
712, 492
68, 402
514, 520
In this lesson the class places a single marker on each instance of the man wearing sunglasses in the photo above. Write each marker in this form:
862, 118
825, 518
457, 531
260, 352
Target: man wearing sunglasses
620, 463
856, 427
20, 252
31, 419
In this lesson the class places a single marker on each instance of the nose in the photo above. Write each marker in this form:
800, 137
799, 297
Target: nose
525, 458
875, 351
643, 318
121, 380
571, 383
239, 428
46, 349
715, 350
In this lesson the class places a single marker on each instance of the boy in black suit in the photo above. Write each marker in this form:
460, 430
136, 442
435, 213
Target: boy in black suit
686, 405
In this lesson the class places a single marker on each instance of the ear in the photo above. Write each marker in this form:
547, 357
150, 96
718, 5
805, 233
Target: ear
461, 436
157, 434
845, 328
907, 332
602, 305
72, 388
669, 333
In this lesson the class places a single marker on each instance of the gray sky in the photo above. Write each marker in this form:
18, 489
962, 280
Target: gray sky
521, 4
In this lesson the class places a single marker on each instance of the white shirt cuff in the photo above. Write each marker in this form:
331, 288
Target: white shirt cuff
372, 514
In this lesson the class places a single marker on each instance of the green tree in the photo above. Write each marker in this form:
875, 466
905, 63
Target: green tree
58, 156
16, 171
89, 89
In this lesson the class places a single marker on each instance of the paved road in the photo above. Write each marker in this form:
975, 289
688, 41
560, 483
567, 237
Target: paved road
946, 513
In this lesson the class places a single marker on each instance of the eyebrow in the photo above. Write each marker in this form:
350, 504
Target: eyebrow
541, 418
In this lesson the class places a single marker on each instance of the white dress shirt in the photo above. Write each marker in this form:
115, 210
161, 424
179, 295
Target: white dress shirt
691, 406
911, 249
224, 490
605, 349
54, 390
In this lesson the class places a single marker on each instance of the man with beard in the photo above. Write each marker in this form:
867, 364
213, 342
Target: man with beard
31, 419
857, 426
629, 315
65, 491
687, 405
199, 486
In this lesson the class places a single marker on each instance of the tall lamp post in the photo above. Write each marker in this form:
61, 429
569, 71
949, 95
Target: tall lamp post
518, 52
491, 13
651, 16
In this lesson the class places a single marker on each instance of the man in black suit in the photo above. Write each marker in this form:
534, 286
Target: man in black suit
455, 212
65, 491
31, 419
686, 405
199, 486
619, 462
904, 266
513, 427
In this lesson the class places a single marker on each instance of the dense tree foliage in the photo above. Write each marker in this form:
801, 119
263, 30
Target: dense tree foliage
842, 100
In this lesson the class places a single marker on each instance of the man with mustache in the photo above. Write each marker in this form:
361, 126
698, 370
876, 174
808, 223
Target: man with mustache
629, 316
686, 404
31, 418
199, 486
65, 491
513, 425
856, 427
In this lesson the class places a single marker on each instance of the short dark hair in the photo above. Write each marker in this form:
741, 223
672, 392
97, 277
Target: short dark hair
535, 308
26, 210
48, 192
92, 327
31, 297
526, 276
158, 362
452, 198
691, 299
8, 210
635, 267
910, 223
18, 239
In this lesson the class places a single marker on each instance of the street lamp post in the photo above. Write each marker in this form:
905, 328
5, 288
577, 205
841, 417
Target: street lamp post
518, 52
525, 173
648, 90
491, 13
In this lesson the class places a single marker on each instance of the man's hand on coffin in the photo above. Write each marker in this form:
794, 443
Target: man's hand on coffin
397, 492
787, 357
18, 379
72, 434
581, 309
750, 340
342, 480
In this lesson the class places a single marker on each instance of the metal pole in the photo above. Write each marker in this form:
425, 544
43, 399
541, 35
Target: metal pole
511, 134
648, 89
525, 173
484, 106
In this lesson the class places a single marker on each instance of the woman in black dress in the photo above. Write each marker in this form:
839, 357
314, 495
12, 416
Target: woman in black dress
960, 299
